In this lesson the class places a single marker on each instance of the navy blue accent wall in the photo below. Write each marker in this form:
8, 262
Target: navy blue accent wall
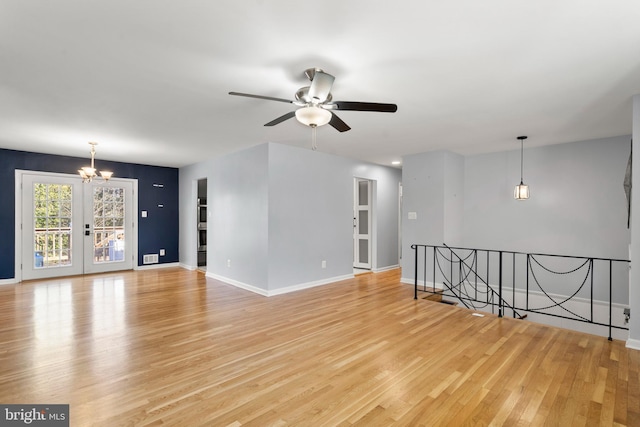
158, 231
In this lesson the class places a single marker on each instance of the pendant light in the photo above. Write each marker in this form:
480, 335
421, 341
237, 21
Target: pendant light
87, 173
521, 191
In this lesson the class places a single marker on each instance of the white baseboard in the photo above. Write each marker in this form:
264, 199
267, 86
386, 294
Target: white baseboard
308, 285
155, 266
633, 344
238, 284
279, 291
188, 267
12, 281
390, 267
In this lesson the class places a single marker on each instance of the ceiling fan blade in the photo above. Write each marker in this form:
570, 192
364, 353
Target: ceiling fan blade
320, 86
365, 106
270, 98
338, 124
281, 119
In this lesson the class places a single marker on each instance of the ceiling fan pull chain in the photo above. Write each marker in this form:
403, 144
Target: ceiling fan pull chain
314, 143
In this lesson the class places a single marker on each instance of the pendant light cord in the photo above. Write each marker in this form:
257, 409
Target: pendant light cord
521, 138
521, 158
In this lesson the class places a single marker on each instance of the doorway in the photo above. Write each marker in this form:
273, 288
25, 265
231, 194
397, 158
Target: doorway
202, 223
68, 227
362, 223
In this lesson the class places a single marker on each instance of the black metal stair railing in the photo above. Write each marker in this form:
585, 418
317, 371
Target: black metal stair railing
519, 282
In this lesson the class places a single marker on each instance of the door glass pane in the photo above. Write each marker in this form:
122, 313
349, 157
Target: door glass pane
108, 224
363, 251
51, 225
363, 222
363, 193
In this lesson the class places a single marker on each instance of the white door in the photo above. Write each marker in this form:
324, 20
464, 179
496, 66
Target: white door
108, 226
362, 224
71, 228
51, 233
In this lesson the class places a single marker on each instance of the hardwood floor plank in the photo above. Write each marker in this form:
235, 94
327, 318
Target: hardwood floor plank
173, 347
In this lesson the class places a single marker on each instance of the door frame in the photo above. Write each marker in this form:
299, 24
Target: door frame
90, 267
373, 222
18, 214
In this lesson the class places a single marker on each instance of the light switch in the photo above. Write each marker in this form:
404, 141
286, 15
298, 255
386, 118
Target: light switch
413, 215
144, 214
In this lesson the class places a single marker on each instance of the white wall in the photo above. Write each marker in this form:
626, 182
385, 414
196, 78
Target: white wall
310, 211
238, 199
423, 195
454, 197
237, 227
433, 189
577, 204
278, 211
577, 207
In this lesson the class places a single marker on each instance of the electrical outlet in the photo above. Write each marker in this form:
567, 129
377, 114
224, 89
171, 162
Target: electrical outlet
161, 252
229, 263
324, 264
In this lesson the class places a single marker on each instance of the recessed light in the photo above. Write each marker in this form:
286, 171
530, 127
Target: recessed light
396, 162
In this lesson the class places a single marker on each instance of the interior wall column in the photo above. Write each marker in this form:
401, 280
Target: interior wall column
634, 275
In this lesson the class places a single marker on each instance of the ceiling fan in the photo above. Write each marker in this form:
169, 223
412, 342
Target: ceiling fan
316, 103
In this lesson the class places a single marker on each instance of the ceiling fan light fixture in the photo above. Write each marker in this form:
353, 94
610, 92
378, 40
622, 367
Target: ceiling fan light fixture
313, 116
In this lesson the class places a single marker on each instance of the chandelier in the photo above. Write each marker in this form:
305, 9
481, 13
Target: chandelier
87, 173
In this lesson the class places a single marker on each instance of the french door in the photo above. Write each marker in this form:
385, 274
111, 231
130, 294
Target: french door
70, 227
362, 223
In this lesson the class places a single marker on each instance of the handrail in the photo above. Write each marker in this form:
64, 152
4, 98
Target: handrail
469, 282
501, 301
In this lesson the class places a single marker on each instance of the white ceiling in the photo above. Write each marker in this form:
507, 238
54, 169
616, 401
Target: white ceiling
149, 79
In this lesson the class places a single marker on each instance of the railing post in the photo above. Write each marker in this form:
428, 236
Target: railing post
486, 287
433, 285
527, 270
513, 286
500, 304
415, 272
591, 266
475, 270
610, 296
451, 270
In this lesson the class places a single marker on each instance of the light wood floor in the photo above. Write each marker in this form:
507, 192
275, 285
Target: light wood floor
171, 347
